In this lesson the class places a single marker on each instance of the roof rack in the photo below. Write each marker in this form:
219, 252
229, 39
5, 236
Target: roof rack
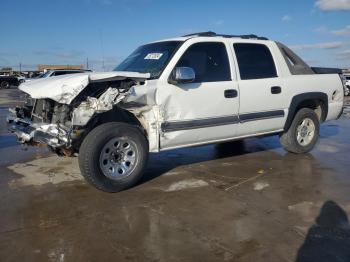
211, 34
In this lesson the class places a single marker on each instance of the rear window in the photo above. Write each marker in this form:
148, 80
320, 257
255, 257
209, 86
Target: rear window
254, 61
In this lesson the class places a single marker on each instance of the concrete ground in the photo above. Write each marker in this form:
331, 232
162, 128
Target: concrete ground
247, 201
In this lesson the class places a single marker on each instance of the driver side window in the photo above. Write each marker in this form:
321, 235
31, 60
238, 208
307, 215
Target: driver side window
209, 61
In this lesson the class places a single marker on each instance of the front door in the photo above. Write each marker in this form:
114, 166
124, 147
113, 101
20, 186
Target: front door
205, 110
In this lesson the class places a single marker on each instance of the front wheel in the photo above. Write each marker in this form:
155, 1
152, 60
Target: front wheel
113, 156
303, 133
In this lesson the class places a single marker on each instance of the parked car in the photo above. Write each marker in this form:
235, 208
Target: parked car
193, 90
8, 81
347, 84
57, 72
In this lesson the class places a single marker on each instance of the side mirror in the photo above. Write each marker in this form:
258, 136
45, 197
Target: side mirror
182, 75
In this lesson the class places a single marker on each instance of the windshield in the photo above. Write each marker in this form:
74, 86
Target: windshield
44, 74
151, 58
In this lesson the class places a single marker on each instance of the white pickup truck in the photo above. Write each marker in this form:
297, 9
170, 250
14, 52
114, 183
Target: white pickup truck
192, 90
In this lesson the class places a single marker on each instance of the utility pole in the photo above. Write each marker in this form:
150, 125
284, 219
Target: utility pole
102, 50
87, 63
20, 67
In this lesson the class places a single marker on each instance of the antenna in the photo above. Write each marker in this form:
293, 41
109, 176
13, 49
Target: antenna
102, 51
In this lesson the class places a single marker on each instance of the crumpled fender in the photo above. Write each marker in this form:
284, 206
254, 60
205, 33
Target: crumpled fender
63, 89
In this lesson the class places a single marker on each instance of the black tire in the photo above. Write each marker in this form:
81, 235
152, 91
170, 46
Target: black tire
289, 139
91, 150
5, 85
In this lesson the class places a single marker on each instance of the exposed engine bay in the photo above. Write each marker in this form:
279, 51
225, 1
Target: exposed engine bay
62, 124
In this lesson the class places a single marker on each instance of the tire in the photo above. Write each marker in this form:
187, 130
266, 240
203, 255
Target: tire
348, 93
5, 85
299, 139
104, 156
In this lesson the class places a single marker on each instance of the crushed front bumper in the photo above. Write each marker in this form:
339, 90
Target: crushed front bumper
27, 132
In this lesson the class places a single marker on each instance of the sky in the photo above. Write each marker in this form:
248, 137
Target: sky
104, 32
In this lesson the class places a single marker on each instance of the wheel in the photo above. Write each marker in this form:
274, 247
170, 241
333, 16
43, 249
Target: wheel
348, 91
113, 156
5, 85
303, 133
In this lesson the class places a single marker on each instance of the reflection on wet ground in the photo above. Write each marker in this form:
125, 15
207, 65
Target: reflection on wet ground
239, 201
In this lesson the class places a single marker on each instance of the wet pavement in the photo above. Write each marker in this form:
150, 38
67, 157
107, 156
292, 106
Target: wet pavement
241, 201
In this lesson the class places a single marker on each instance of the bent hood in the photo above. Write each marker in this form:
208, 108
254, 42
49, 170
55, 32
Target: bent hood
63, 89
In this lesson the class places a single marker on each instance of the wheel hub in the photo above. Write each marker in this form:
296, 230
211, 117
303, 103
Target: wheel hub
306, 132
118, 158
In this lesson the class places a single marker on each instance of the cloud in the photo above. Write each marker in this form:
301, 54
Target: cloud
342, 32
108, 63
219, 22
321, 29
286, 18
330, 45
339, 32
333, 5
343, 55
72, 54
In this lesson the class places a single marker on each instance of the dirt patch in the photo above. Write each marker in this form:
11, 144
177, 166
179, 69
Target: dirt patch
186, 184
49, 170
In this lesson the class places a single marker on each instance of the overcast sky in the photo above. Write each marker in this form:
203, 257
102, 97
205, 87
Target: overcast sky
68, 32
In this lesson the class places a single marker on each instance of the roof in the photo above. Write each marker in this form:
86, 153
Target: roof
213, 34
69, 70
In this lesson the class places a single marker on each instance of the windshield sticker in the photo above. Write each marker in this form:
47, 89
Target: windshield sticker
153, 56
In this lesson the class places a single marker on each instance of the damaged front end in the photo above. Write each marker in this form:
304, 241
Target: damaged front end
62, 121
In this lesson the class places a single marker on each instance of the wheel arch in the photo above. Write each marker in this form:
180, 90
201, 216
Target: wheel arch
318, 101
116, 114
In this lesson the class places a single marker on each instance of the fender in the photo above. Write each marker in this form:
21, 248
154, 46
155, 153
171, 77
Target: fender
299, 99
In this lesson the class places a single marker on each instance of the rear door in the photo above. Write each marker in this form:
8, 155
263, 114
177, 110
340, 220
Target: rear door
262, 95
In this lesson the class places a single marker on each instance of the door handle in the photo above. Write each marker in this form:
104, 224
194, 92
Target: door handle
230, 93
276, 90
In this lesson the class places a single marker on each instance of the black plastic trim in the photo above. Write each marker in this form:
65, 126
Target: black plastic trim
261, 115
299, 99
199, 123
213, 34
219, 121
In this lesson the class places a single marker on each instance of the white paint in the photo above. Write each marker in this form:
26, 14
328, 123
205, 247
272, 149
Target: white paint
153, 56
307, 210
186, 184
260, 185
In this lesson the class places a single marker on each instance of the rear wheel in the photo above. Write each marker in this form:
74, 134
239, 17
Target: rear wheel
5, 85
113, 156
303, 133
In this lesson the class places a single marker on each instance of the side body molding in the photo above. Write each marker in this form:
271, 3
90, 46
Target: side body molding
301, 98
